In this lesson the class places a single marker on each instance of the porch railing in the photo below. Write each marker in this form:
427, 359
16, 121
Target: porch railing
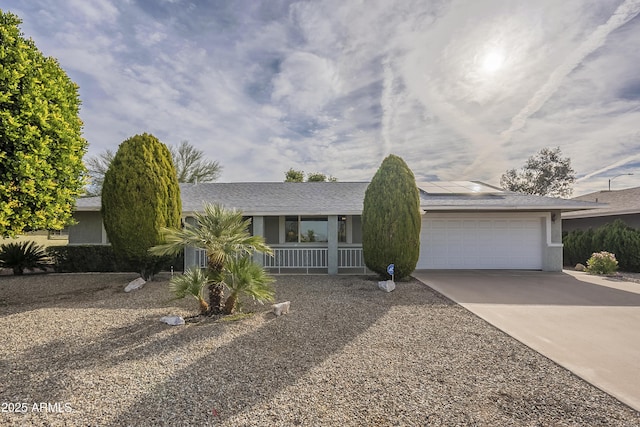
351, 258
300, 258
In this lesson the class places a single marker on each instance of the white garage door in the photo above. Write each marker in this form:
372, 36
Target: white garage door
476, 241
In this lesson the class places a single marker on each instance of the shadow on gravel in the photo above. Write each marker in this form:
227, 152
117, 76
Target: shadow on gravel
89, 290
276, 355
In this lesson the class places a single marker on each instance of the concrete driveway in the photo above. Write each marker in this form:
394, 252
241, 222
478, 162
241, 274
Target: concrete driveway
587, 324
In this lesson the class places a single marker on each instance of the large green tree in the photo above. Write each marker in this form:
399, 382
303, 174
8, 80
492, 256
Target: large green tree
190, 163
140, 196
41, 144
546, 173
391, 219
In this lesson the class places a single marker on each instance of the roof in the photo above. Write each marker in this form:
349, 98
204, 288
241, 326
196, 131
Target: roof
619, 202
505, 201
278, 198
341, 198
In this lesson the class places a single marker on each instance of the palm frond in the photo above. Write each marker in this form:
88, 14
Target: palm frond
244, 277
191, 283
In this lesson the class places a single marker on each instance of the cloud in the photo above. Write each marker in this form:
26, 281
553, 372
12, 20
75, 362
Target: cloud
334, 86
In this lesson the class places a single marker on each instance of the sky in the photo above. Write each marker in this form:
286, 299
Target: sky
461, 90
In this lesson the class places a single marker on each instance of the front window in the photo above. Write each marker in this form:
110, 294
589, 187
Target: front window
306, 229
313, 230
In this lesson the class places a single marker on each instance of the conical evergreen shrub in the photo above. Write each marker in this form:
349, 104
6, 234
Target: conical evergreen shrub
391, 219
140, 195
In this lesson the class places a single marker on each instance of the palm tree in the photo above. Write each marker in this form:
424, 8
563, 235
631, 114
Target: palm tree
224, 234
192, 283
245, 277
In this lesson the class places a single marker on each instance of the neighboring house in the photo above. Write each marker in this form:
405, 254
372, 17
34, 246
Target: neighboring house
44, 238
619, 204
316, 226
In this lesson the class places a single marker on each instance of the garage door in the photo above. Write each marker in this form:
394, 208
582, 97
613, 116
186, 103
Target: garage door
480, 242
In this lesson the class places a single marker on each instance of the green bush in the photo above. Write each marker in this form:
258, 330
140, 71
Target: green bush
616, 237
602, 263
140, 196
391, 219
97, 258
23, 255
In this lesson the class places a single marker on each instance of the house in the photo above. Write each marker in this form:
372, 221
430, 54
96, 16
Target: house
618, 204
316, 227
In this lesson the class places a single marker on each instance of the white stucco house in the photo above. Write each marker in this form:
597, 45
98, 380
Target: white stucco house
316, 227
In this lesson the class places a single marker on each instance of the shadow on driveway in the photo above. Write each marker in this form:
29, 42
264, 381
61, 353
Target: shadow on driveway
531, 288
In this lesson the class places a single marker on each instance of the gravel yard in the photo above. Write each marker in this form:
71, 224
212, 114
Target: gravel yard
77, 351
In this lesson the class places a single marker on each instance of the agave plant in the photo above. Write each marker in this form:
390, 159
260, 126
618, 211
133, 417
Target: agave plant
244, 277
192, 283
23, 255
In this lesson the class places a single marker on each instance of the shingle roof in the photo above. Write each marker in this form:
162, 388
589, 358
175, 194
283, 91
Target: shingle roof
619, 202
278, 198
338, 198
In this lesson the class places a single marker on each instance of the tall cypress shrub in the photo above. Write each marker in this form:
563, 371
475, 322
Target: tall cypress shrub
140, 195
391, 219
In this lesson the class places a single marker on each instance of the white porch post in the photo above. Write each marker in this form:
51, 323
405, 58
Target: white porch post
258, 230
332, 244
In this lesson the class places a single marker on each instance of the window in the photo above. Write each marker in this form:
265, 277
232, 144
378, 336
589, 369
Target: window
306, 229
291, 229
59, 234
313, 230
342, 229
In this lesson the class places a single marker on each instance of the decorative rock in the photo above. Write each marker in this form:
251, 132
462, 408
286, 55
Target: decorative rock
135, 284
387, 285
172, 320
580, 267
281, 308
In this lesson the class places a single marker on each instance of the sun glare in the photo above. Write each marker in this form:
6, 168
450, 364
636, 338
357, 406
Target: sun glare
493, 61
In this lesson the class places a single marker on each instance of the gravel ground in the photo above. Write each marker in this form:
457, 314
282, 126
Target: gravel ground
78, 351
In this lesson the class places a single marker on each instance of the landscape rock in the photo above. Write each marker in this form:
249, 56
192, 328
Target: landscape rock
580, 267
281, 308
135, 284
387, 285
172, 320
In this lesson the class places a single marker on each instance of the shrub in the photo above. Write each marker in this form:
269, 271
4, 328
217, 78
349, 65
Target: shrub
602, 263
96, 258
616, 237
140, 195
391, 219
23, 255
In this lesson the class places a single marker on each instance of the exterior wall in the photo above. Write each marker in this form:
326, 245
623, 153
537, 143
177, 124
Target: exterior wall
552, 251
569, 224
271, 230
88, 230
356, 229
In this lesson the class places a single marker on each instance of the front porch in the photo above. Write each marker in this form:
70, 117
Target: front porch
303, 244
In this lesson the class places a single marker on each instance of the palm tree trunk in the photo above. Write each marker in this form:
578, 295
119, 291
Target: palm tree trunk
216, 294
216, 289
